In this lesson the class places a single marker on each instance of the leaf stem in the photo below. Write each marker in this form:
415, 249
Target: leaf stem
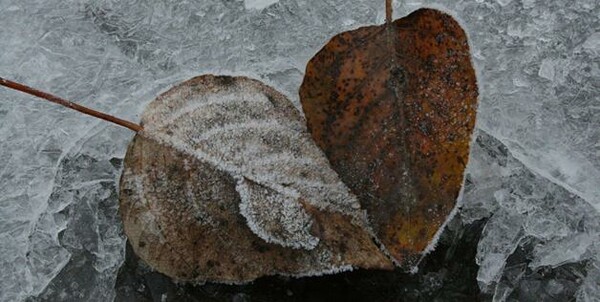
388, 11
68, 104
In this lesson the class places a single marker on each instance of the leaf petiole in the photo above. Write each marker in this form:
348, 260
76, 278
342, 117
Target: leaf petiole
54, 99
388, 11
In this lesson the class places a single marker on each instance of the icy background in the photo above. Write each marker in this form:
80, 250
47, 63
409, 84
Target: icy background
534, 171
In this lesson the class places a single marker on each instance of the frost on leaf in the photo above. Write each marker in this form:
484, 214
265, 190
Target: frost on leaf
275, 217
393, 108
225, 184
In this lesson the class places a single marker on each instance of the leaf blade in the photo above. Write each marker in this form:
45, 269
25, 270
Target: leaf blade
393, 108
195, 170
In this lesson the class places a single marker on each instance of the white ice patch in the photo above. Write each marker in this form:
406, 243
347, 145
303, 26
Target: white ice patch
547, 69
258, 4
592, 43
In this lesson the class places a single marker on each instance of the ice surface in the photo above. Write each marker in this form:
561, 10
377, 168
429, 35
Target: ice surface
590, 290
534, 225
93, 236
537, 177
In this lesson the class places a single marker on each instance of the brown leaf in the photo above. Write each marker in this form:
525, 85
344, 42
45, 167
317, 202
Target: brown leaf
393, 108
225, 184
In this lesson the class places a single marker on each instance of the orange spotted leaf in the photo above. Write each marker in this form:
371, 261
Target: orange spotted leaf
393, 107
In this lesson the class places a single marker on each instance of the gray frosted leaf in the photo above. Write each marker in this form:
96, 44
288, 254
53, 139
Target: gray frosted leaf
225, 184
